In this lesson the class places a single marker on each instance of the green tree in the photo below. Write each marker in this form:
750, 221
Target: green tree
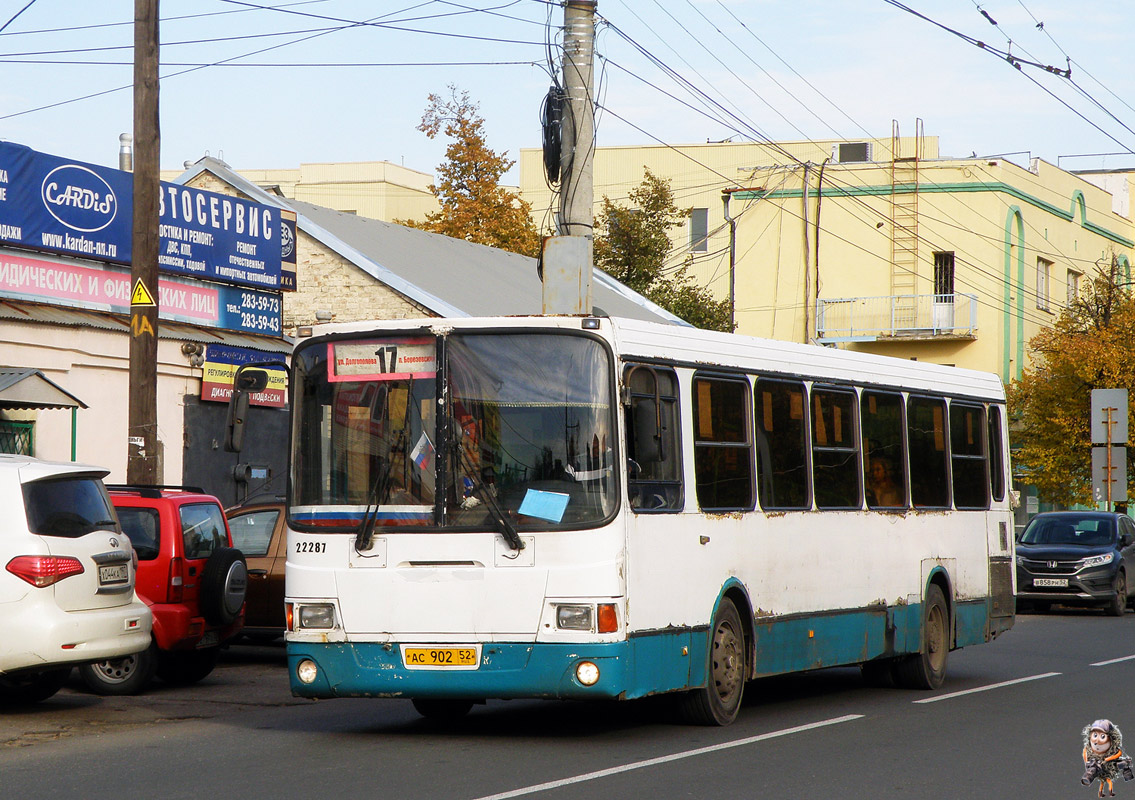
632, 245
474, 206
1091, 345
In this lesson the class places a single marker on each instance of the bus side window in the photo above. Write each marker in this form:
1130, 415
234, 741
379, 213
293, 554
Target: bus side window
835, 451
967, 455
723, 452
654, 452
926, 440
782, 445
996, 454
884, 454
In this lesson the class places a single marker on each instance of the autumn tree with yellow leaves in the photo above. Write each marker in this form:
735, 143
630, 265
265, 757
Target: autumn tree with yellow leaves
474, 206
1091, 345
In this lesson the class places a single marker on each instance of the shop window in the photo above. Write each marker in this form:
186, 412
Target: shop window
16, 437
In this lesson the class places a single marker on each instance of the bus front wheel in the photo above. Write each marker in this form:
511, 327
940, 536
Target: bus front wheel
927, 668
718, 702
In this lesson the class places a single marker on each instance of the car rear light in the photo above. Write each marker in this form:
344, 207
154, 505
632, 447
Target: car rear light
176, 584
44, 570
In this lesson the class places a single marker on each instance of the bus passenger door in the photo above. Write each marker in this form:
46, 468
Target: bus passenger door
661, 555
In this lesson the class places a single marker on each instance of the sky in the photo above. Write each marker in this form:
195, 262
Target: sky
275, 83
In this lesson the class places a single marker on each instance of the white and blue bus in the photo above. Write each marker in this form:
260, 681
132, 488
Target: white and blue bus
588, 507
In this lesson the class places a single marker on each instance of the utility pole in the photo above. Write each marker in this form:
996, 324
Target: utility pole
143, 463
568, 257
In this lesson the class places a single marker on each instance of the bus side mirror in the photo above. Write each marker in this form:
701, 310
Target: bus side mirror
647, 432
244, 384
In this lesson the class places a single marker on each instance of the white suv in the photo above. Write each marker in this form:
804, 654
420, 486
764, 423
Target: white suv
67, 583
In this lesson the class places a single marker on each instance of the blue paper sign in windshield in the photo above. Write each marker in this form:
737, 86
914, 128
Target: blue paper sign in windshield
544, 505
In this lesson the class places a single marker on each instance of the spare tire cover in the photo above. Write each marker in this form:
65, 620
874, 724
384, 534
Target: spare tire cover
224, 583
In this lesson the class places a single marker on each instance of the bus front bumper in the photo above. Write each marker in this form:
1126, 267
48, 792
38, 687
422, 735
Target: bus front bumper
504, 671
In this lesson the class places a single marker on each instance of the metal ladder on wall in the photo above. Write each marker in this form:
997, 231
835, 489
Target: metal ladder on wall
904, 228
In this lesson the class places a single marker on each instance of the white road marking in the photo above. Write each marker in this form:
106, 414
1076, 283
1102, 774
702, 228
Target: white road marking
651, 762
986, 688
1112, 661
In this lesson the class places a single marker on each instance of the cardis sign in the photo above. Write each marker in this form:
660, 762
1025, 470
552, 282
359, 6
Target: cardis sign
79, 198
54, 205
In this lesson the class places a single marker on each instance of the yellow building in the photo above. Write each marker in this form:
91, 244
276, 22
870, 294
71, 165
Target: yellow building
954, 261
871, 244
373, 189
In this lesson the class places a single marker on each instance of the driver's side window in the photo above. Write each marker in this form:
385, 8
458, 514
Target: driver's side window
653, 447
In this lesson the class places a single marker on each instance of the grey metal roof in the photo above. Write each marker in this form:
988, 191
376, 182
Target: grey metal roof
450, 277
30, 388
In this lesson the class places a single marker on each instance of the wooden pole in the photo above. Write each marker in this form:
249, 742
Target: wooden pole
143, 464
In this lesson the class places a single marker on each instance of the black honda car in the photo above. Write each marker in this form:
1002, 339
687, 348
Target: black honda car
1076, 558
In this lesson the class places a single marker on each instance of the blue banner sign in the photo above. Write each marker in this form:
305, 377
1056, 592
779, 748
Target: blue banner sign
101, 287
55, 205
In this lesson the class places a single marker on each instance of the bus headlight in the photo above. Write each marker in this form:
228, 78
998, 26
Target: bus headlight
573, 618
306, 671
320, 615
587, 673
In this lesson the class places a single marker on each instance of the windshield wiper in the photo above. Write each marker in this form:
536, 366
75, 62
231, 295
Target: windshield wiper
507, 530
364, 534
379, 493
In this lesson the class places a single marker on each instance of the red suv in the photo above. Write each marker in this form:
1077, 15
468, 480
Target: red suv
191, 577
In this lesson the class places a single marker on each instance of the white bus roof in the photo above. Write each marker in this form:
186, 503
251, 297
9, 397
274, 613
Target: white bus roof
700, 348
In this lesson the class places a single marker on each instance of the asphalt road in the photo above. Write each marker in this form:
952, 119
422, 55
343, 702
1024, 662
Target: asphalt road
1007, 724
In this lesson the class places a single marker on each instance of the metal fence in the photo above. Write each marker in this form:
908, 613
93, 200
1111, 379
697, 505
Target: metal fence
912, 315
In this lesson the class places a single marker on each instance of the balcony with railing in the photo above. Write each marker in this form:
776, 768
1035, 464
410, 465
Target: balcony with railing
907, 317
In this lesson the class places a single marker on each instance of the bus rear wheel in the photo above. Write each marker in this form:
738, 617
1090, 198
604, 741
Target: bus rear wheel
927, 668
719, 701
434, 708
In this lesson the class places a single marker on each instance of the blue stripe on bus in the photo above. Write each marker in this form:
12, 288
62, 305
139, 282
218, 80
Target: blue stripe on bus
648, 663
355, 516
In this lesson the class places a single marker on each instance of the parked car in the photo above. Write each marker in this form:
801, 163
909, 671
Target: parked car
192, 578
67, 589
259, 530
1076, 558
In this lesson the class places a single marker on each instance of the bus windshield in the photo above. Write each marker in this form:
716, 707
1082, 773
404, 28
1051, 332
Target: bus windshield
526, 425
